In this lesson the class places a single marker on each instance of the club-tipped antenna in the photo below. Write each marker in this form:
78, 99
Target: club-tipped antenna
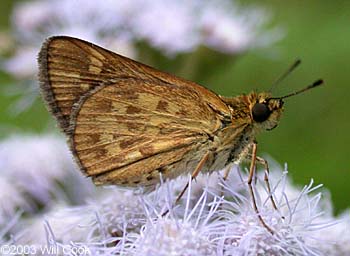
313, 85
285, 74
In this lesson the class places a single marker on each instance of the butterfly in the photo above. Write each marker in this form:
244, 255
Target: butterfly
127, 123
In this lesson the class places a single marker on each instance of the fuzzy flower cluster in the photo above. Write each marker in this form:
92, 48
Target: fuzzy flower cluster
171, 27
36, 171
214, 217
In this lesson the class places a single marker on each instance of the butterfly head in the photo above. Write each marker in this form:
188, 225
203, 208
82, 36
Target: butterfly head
265, 111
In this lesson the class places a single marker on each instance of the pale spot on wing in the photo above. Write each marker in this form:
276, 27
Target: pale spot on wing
132, 155
62, 73
151, 102
62, 97
96, 65
85, 86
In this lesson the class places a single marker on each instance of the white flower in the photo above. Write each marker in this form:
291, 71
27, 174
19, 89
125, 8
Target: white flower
225, 32
186, 230
334, 242
68, 224
170, 26
29, 17
33, 170
101, 222
11, 199
5, 228
213, 222
230, 29
299, 218
172, 237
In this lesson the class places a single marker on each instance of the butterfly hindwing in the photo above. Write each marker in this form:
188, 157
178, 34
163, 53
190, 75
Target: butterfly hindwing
127, 130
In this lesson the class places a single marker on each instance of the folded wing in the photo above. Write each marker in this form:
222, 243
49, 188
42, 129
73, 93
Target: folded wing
126, 121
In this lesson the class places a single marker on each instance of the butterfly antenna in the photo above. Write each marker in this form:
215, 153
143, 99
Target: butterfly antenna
285, 74
313, 85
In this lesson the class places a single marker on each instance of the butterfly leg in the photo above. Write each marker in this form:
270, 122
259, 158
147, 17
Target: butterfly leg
193, 176
225, 176
227, 172
266, 179
263, 162
252, 170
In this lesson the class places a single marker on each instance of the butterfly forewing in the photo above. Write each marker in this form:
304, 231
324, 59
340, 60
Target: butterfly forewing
126, 121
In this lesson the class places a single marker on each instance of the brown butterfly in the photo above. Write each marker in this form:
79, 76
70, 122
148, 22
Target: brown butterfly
127, 122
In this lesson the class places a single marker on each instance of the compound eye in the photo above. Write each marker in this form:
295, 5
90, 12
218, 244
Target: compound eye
261, 112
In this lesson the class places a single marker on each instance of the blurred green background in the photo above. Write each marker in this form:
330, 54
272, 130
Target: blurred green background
313, 134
